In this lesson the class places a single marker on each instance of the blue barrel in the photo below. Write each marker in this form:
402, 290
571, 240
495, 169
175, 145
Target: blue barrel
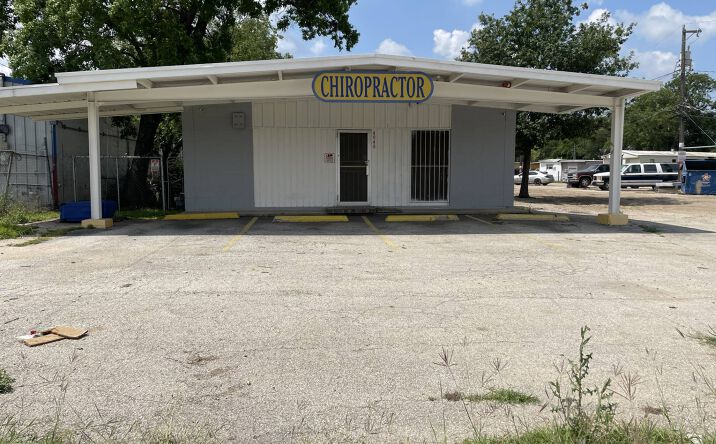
79, 211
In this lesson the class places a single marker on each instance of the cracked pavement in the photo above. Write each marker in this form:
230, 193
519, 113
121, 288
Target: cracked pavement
325, 332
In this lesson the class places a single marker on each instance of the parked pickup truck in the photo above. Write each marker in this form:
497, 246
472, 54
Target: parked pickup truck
635, 175
583, 178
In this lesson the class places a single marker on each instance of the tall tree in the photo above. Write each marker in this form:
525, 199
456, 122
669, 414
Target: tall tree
652, 120
547, 34
588, 146
49, 36
255, 39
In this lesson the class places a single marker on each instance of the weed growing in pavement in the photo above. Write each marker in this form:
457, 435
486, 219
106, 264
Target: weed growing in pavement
583, 422
505, 396
498, 395
6, 381
446, 360
585, 413
14, 431
644, 432
708, 337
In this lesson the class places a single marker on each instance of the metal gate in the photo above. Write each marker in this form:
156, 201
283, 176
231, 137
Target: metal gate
112, 174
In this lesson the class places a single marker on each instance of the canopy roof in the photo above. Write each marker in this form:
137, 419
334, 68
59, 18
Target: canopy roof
169, 88
632, 154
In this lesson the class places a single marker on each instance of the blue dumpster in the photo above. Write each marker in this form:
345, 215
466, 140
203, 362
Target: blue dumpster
79, 211
699, 177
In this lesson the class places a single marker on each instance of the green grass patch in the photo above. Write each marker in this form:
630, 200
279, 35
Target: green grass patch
143, 214
14, 215
502, 396
59, 232
5, 381
643, 432
8, 231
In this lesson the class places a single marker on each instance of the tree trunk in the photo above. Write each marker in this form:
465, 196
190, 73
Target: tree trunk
136, 188
526, 161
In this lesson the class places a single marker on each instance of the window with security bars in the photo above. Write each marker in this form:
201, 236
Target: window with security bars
430, 159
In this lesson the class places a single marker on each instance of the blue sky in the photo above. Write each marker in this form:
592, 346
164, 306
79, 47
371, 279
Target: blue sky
438, 28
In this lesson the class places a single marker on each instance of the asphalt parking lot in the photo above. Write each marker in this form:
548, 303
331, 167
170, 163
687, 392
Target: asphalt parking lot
331, 332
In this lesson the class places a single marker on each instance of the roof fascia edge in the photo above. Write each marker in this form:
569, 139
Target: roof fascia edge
347, 61
54, 88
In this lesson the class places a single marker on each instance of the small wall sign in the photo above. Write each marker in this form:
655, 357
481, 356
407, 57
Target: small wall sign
154, 166
372, 86
328, 158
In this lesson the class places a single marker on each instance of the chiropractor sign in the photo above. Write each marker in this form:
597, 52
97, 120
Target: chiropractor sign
372, 86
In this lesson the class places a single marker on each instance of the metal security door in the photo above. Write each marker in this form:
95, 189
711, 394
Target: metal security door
353, 167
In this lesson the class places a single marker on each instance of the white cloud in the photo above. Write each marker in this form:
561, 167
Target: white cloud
654, 64
318, 47
449, 43
597, 14
286, 44
471, 2
391, 47
662, 22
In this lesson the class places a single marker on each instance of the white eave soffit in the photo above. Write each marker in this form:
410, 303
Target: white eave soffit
459, 82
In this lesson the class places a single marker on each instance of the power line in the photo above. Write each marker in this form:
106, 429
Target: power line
664, 75
700, 129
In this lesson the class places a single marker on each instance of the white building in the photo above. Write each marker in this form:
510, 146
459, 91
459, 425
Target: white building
638, 156
561, 168
350, 133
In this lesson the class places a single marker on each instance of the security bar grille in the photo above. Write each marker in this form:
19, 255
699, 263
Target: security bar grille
430, 166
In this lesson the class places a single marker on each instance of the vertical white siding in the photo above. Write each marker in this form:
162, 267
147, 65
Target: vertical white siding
291, 138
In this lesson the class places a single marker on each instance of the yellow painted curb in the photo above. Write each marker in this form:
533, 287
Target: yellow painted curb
537, 217
420, 217
201, 216
324, 218
613, 219
98, 223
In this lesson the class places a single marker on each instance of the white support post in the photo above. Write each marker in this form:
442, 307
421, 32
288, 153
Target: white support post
615, 177
614, 216
95, 167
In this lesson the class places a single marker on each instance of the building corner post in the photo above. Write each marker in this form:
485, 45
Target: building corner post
95, 167
614, 216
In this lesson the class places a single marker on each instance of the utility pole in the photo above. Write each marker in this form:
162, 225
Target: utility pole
686, 63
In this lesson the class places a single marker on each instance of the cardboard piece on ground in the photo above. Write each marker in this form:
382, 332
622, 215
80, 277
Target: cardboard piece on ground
69, 332
45, 339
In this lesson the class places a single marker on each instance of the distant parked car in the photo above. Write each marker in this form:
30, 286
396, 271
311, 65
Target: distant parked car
584, 178
536, 177
635, 175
